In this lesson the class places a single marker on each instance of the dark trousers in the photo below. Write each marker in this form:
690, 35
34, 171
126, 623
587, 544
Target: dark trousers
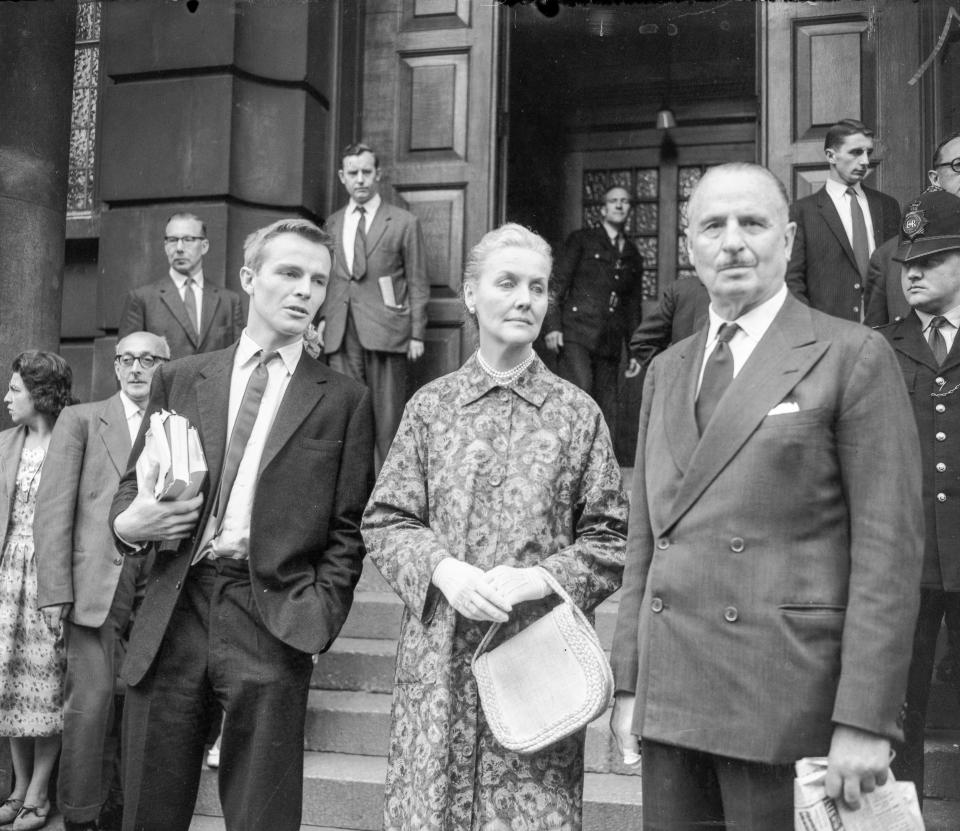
385, 373
89, 753
934, 604
597, 375
217, 654
684, 790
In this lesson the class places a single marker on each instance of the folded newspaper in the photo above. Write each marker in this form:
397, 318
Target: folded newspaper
891, 807
174, 445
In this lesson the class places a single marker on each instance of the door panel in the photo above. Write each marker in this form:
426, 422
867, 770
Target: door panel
821, 62
429, 96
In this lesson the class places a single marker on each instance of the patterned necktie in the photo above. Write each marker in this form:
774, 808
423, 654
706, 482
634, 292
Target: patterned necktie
360, 246
242, 428
717, 375
938, 345
861, 246
190, 301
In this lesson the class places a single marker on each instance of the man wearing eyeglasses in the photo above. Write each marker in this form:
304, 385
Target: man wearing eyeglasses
84, 585
840, 226
883, 294
596, 295
193, 314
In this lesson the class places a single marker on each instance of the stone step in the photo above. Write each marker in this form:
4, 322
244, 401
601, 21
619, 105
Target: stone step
356, 664
376, 615
943, 709
941, 765
345, 791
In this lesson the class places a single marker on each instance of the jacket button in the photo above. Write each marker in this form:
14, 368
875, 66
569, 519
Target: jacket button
737, 545
939, 381
179, 583
616, 276
730, 614
940, 408
941, 497
856, 309
856, 286
941, 467
663, 543
118, 561
574, 309
656, 604
941, 436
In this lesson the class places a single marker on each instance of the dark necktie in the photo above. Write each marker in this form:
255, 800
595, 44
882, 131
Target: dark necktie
938, 345
190, 301
861, 246
242, 427
360, 246
717, 375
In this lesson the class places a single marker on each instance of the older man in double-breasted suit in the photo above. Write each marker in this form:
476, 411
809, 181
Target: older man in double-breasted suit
375, 312
773, 556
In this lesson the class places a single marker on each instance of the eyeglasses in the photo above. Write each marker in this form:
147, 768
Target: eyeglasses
146, 361
954, 165
184, 240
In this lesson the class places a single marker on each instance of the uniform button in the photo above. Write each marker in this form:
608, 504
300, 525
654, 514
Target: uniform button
656, 604
940, 408
939, 381
856, 285
941, 467
596, 256
616, 276
730, 614
118, 561
179, 582
663, 543
856, 308
941, 497
574, 309
737, 545
941, 437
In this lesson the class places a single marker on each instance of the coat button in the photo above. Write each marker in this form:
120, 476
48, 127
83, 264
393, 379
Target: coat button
574, 309
941, 436
737, 545
856, 309
656, 604
730, 614
941, 497
663, 543
856, 286
179, 583
940, 408
939, 381
941, 467
118, 561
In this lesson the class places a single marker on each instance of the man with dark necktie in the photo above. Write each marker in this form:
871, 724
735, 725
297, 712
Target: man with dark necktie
185, 307
839, 226
926, 344
256, 574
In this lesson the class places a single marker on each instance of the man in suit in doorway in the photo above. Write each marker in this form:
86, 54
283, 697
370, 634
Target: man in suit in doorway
256, 574
193, 314
84, 585
375, 312
839, 226
773, 556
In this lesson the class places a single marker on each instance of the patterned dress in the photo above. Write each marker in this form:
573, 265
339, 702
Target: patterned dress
523, 476
31, 654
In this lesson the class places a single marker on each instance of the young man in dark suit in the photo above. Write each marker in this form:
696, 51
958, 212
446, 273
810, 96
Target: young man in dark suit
193, 314
773, 556
256, 574
375, 312
839, 226
928, 349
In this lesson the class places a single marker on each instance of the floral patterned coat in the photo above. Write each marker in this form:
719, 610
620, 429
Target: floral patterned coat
523, 475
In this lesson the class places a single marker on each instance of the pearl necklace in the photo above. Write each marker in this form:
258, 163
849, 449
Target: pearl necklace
505, 377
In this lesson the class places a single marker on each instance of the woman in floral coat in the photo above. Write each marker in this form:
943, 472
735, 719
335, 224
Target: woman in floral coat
498, 470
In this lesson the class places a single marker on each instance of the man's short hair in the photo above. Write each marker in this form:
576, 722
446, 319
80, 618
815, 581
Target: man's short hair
356, 149
254, 243
842, 130
741, 167
936, 153
163, 350
606, 191
187, 215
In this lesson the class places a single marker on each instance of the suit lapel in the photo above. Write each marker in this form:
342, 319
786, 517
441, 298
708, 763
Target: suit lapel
876, 215
213, 401
908, 338
785, 354
378, 227
114, 434
208, 309
832, 220
171, 298
304, 391
334, 227
681, 421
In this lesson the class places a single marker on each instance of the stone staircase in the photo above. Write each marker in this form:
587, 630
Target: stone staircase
348, 721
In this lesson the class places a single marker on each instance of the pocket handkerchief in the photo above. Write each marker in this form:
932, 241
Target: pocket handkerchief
785, 407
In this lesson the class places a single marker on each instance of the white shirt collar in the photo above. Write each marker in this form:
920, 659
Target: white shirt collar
837, 190
754, 323
371, 206
130, 407
289, 354
952, 316
181, 279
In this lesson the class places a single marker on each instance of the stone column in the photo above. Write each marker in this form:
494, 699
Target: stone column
36, 65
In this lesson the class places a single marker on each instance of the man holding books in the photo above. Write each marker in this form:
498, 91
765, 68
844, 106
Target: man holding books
255, 574
84, 585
